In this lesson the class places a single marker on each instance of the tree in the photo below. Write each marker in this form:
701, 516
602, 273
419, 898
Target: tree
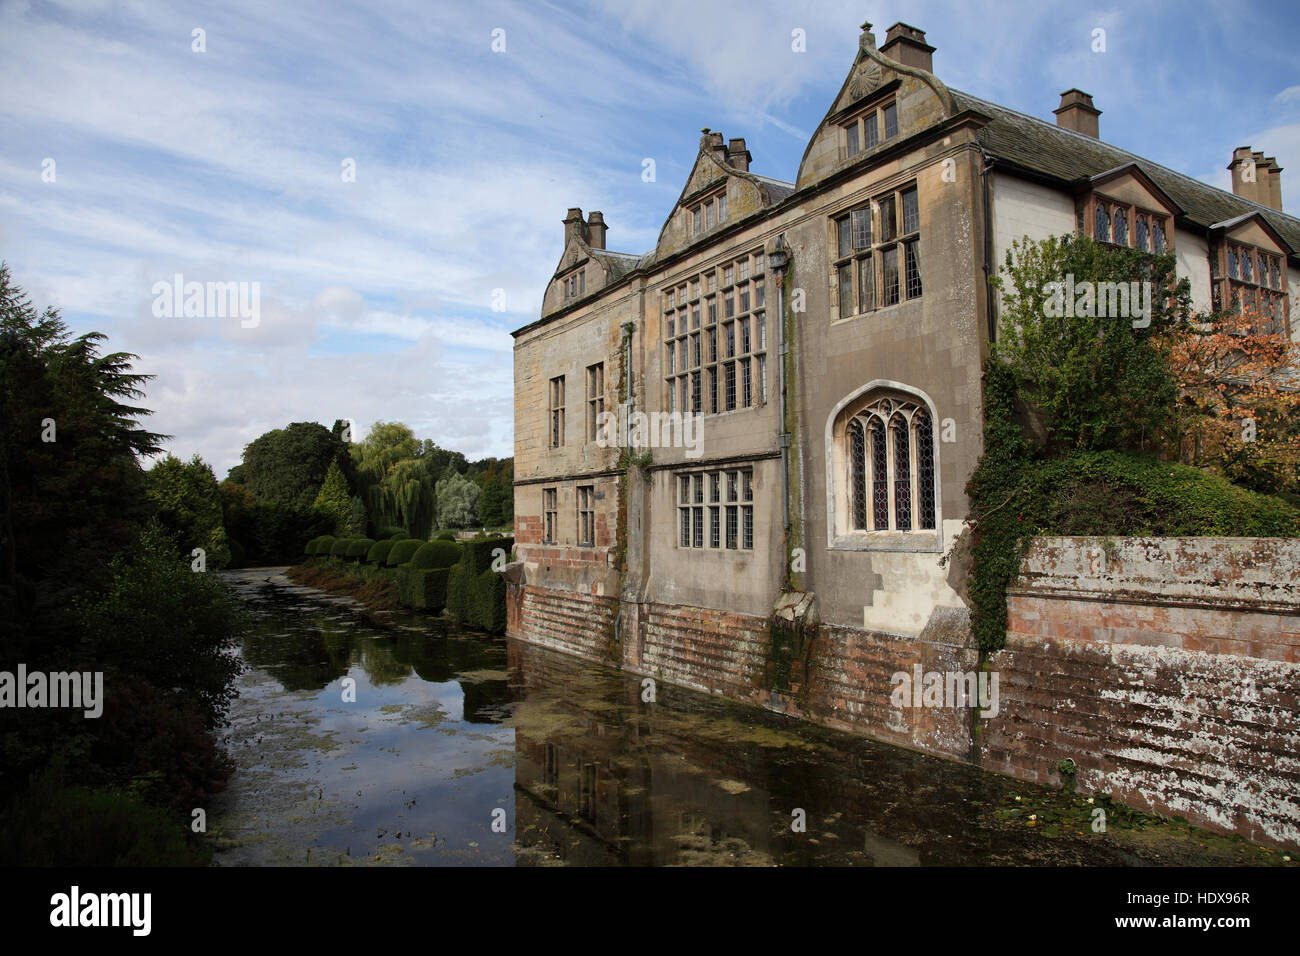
457, 501
288, 465
1097, 372
189, 505
334, 499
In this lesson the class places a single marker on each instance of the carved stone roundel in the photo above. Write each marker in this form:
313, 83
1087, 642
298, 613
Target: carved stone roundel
868, 79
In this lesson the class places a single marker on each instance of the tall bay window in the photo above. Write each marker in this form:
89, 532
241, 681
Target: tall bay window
878, 253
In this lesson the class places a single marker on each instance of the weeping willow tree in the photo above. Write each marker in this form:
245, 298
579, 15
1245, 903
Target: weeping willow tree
397, 475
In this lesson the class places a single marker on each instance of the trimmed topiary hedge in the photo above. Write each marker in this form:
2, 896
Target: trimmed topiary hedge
436, 554
403, 551
378, 553
359, 548
323, 545
446, 536
340, 548
390, 531
398, 536
422, 588
476, 595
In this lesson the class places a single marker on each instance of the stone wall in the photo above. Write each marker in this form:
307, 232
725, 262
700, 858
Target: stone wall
1167, 669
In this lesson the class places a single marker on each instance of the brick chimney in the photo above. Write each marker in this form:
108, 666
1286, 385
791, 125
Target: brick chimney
738, 157
907, 46
1076, 112
574, 227
1256, 177
596, 229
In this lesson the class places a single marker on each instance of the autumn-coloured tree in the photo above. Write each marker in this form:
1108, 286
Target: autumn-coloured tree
1239, 397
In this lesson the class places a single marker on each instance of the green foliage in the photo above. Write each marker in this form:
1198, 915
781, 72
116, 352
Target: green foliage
334, 499
1101, 382
476, 595
325, 546
358, 548
399, 536
457, 501
238, 557
422, 588
339, 549
403, 551
389, 531
188, 504
289, 465
159, 622
446, 536
378, 553
52, 824
271, 533
436, 554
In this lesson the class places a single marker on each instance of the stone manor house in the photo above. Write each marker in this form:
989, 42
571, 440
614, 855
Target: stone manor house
830, 331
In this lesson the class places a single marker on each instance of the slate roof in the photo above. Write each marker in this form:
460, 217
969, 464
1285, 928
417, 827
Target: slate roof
1062, 154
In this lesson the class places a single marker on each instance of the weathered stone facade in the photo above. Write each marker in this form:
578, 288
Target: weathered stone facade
829, 333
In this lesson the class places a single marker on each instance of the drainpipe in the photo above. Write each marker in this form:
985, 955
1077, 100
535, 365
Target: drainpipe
778, 259
628, 329
990, 301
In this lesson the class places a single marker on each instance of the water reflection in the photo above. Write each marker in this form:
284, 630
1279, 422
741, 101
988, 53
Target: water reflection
463, 749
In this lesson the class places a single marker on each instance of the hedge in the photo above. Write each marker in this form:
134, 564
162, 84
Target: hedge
446, 536
403, 551
476, 595
310, 547
378, 553
398, 536
422, 588
323, 545
340, 548
436, 554
391, 531
359, 548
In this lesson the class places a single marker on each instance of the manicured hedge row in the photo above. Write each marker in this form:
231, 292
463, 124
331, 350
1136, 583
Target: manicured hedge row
476, 595
436, 554
391, 531
403, 551
422, 588
359, 548
323, 545
378, 553
340, 548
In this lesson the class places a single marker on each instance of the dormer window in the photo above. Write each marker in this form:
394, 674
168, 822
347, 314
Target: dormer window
1123, 224
575, 284
1249, 279
705, 215
864, 132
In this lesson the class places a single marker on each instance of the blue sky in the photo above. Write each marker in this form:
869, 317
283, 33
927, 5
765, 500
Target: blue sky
377, 295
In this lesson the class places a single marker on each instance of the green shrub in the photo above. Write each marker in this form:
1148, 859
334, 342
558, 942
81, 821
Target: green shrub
479, 553
446, 536
436, 554
324, 545
399, 536
340, 547
403, 551
359, 548
309, 548
476, 595
422, 588
378, 553
391, 531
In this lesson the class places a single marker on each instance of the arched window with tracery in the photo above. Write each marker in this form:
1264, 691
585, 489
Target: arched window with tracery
888, 455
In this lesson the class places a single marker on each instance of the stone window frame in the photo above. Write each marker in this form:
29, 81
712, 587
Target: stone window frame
714, 509
873, 120
848, 263
556, 407
595, 398
708, 212
697, 368
575, 283
1086, 221
1228, 288
585, 505
840, 533
550, 515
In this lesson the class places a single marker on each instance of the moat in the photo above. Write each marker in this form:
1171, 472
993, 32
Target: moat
464, 749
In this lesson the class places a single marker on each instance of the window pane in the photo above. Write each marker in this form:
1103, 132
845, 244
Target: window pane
747, 384
846, 289
1103, 223
888, 219
902, 476
1121, 226
845, 237
722, 207
1158, 235
731, 526
891, 121
697, 527
879, 476
866, 285
851, 138
911, 212
715, 527
862, 228
730, 387
912, 264
925, 471
747, 527
870, 130
762, 379
890, 263
712, 393
857, 475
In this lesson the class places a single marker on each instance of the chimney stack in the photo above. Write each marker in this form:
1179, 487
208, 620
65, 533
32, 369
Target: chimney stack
718, 147
1256, 177
738, 157
596, 230
1076, 112
906, 45
574, 227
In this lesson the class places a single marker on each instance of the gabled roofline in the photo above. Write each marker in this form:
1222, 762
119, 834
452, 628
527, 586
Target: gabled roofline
1135, 170
1264, 224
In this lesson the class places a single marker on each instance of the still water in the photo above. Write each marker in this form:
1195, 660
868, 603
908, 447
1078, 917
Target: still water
462, 749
